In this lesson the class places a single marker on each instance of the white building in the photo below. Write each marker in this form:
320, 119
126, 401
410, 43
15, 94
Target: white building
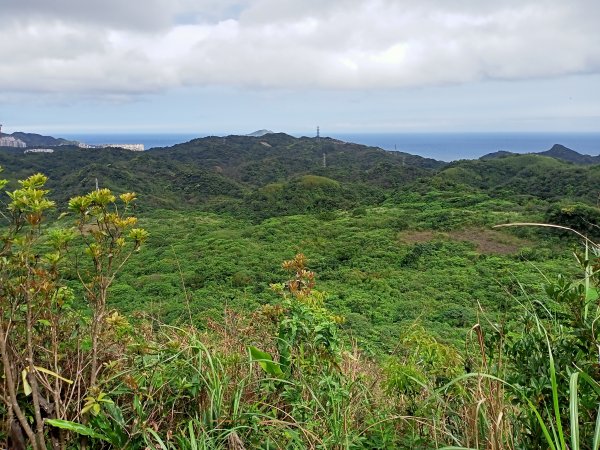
132, 147
9, 141
39, 150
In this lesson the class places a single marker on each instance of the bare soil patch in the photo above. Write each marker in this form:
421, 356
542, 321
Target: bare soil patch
414, 237
486, 241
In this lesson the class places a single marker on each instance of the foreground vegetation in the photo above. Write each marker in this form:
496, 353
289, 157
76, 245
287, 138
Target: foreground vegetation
410, 323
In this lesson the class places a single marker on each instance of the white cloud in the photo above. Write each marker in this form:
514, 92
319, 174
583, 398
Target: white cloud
131, 47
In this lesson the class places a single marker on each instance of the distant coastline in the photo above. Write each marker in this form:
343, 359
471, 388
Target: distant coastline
440, 146
454, 146
149, 140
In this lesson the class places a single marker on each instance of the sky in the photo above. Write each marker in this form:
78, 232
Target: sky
235, 66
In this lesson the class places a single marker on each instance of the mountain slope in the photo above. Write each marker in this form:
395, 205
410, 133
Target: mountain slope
566, 154
557, 151
35, 140
262, 176
248, 160
529, 175
277, 174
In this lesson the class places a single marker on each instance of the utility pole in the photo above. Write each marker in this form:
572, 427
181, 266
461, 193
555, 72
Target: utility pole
321, 147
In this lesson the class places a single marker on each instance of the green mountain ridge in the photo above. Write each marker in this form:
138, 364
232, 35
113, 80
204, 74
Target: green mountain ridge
266, 176
34, 140
213, 171
557, 151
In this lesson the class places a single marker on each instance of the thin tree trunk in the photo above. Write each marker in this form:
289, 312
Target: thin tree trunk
97, 326
12, 394
35, 392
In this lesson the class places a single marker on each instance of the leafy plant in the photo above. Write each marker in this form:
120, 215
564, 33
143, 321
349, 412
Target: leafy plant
41, 333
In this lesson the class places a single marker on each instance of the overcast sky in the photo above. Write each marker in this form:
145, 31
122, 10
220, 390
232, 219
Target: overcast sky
233, 66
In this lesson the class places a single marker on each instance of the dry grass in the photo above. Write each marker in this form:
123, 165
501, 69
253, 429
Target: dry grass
485, 241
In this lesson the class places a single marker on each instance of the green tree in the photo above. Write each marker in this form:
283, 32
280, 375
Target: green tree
46, 370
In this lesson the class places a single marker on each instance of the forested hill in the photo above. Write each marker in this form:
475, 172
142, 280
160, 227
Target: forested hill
557, 151
532, 175
33, 139
277, 174
279, 157
290, 174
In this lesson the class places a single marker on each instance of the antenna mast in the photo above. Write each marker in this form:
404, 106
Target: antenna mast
321, 147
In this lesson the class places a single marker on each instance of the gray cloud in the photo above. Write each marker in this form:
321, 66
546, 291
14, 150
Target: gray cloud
135, 47
137, 15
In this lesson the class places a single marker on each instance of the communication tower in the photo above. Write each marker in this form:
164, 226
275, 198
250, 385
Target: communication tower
321, 147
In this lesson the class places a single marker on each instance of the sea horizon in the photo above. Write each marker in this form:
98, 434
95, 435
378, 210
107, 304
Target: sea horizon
443, 146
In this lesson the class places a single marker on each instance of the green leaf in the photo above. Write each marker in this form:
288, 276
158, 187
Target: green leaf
87, 407
266, 362
76, 428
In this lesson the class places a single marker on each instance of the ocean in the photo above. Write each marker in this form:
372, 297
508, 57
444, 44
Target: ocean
453, 146
440, 146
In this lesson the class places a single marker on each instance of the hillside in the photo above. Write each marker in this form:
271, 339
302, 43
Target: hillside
259, 133
566, 154
278, 156
35, 140
264, 176
531, 175
182, 325
261, 175
557, 151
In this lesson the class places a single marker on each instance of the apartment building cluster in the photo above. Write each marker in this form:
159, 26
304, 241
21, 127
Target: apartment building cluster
132, 147
9, 141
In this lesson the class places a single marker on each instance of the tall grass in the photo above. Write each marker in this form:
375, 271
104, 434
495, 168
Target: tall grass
283, 377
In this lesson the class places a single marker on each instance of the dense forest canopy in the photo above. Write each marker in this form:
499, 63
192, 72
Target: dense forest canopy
156, 313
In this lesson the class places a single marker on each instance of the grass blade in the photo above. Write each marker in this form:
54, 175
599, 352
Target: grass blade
561, 436
457, 448
537, 414
596, 388
588, 275
597, 431
158, 439
574, 410
193, 442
